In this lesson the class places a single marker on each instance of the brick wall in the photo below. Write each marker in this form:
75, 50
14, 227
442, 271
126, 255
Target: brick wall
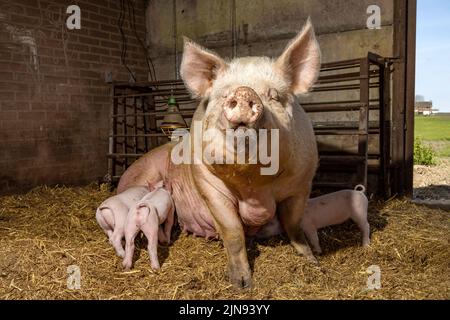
54, 101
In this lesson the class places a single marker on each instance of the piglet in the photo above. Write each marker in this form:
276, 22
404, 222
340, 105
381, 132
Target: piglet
111, 215
154, 215
330, 209
335, 208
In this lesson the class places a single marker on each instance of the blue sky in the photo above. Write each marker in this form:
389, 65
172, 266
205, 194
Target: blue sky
433, 52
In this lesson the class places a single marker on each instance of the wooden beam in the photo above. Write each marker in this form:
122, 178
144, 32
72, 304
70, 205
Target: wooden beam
410, 95
398, 98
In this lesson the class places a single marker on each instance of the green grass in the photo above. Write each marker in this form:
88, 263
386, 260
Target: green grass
434, 131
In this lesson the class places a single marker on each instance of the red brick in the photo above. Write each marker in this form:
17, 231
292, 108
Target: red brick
98, 17
99, 34
9, 105
100, 50
110, 44
8, 115
31, 115
4, 55
6, 76
24, 20
6, 95
89, 57
89, 41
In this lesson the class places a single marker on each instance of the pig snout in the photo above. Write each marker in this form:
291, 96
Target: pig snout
243, 107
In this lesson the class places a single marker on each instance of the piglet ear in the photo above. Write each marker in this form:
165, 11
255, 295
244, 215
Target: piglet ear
199, 68
300, 61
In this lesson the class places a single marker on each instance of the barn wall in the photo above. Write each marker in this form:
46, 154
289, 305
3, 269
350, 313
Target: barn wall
264, 27
54, 101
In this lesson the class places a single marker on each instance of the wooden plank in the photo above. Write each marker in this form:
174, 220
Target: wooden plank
410, 95
398, 99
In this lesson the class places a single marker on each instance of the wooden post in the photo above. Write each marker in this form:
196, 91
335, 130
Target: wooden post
410, 95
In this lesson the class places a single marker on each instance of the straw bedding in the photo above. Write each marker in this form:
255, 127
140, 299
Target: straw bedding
48, 229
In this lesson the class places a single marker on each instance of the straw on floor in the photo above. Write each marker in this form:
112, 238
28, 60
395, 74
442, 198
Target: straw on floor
47, 230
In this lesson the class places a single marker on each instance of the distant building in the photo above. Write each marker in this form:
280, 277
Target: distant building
424, 108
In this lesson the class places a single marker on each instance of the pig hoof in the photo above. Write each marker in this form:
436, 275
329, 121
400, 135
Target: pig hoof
240, 281
312, 259
155, 267
126, 266
317, 251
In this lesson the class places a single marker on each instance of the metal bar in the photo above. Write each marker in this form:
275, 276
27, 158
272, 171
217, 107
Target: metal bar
335, 102
125, 155
167, 92
337, 108
387, 130
333, 185
140, 135
373, 169
382, 115
341, 132
363, 122
152, 122
343, 63
112, 131
124, 131
343, 87
147, 83
135, 124
342, 77
156, 113
144, 120
376, 59
342, 158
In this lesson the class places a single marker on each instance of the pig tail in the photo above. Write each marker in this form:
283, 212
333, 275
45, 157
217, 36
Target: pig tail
361, 188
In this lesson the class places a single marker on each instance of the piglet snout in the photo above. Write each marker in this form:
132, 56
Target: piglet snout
243, 107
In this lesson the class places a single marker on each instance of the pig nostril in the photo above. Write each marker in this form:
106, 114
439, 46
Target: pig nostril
233, 104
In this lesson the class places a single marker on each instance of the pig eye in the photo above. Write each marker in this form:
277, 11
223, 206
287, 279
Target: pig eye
273, 94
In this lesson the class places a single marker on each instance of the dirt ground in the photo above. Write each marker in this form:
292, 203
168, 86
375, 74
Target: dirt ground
46, 231
433, 182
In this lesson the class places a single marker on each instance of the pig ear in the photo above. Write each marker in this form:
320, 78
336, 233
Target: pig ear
300, 61
199, 68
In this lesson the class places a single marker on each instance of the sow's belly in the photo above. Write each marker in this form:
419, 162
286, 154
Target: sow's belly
256, 206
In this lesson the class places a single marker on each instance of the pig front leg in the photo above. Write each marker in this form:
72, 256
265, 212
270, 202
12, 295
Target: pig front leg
230, 228
311, 234
291, 213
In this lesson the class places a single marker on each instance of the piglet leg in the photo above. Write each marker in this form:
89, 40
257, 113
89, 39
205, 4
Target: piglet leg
105, 220
150, 229
169, 223
131, 231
